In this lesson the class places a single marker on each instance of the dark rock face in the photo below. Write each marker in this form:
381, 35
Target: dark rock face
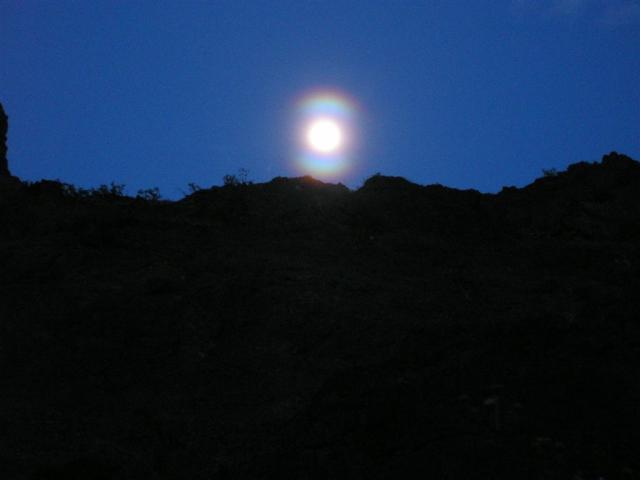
297, 329
4, 127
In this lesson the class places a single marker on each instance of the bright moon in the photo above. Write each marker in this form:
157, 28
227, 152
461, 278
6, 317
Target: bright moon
324, 135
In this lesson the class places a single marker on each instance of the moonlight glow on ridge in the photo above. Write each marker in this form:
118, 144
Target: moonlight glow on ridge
325, 122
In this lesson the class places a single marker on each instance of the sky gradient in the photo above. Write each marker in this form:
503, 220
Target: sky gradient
468, 94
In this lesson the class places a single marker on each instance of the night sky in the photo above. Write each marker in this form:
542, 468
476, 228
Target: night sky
473, 94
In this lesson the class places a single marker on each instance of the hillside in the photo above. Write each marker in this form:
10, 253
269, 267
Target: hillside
298, 329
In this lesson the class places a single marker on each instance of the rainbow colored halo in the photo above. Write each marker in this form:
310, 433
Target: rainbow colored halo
325, 105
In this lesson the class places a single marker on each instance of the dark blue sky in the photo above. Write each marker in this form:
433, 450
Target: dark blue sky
473, 94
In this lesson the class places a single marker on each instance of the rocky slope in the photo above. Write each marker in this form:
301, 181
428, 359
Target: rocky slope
296, 329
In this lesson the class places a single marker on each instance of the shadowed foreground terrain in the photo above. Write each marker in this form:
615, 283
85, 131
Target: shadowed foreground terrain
296, 329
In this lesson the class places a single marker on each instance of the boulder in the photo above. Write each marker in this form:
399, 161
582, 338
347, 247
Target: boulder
4, 126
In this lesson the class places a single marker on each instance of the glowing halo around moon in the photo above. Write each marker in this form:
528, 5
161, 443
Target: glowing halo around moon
326, 131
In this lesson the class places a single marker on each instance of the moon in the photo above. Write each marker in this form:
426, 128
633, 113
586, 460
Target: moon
324, 135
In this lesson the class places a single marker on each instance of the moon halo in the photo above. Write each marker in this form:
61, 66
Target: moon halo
326, 126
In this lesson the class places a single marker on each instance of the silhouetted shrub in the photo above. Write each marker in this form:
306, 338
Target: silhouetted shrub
194, 187
149, 194
111, 190
241, 178
549, 172
230, 180
106, 191
46, 188
71, 190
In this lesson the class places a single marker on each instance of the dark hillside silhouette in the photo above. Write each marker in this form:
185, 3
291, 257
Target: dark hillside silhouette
298, 329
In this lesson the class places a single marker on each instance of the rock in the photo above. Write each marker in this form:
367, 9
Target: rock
4, 126
618, 161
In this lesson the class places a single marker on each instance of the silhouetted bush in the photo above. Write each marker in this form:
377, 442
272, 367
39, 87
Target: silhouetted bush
106, 191
241, 178
71, 190
111, 190
149, 194
194, 187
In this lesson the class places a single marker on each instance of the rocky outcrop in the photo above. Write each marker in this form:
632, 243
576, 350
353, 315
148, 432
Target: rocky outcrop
4, 126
